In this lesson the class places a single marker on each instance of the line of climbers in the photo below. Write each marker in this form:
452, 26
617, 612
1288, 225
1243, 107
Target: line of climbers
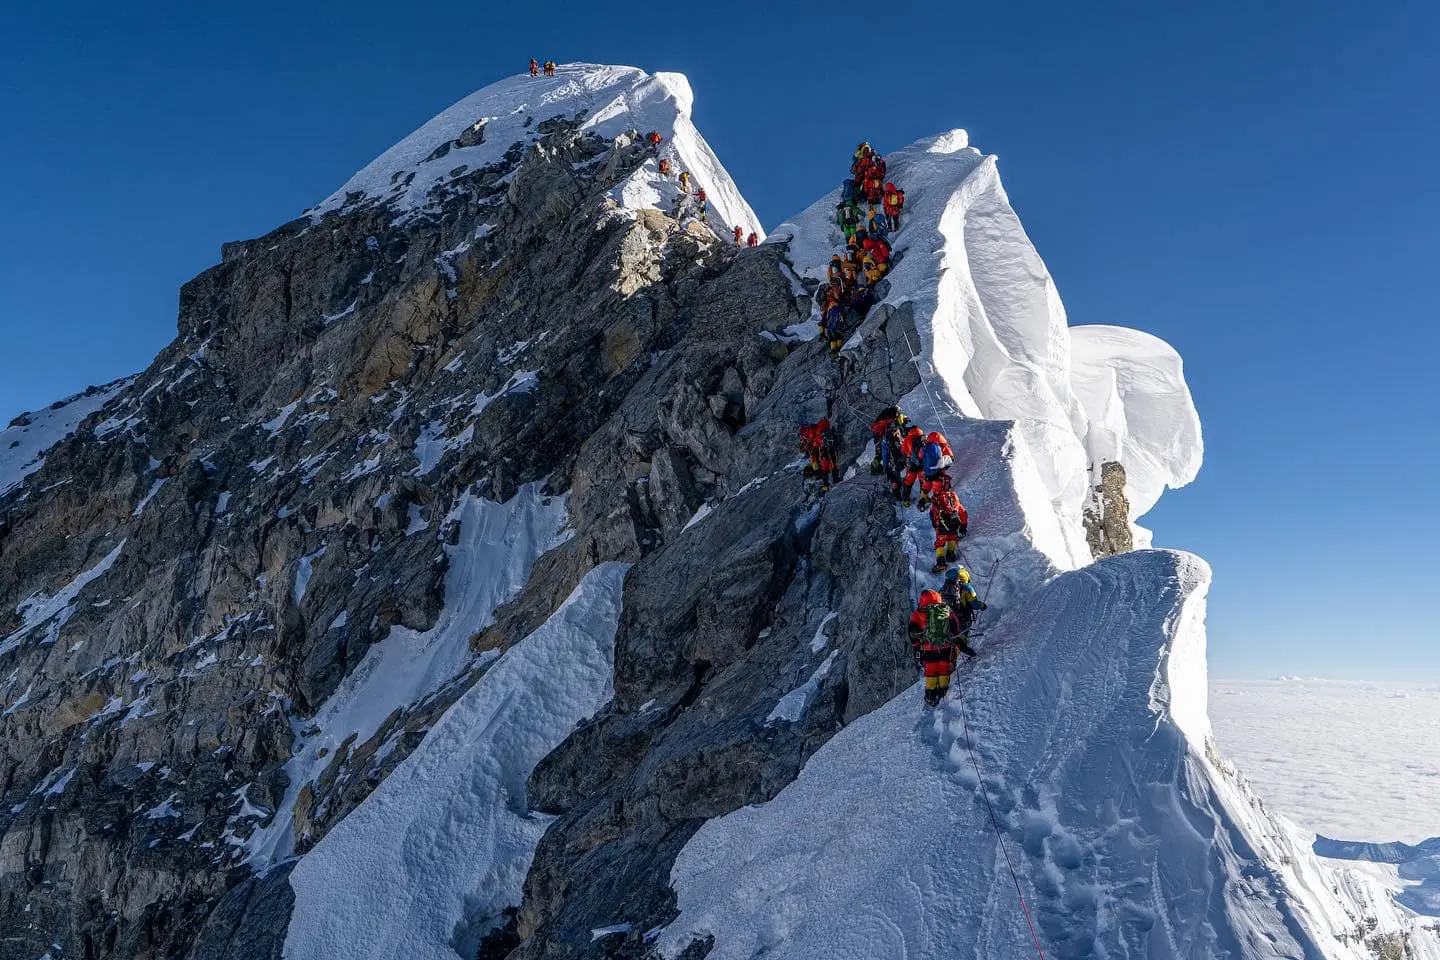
852, 276
939, 628
654, 139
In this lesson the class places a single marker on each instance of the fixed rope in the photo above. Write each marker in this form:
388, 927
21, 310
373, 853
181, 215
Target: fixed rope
999, 835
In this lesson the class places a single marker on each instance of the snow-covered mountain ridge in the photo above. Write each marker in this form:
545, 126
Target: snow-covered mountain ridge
448, 588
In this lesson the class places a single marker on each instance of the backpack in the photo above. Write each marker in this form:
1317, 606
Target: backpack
937, 625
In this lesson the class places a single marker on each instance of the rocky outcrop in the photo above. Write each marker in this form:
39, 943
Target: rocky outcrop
1107, 514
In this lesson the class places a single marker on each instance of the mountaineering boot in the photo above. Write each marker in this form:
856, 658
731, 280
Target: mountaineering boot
932, 696
939, 567
924, 503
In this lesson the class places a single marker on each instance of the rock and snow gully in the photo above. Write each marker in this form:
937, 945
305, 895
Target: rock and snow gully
449, 588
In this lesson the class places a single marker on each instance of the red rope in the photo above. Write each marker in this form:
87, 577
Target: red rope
994, 822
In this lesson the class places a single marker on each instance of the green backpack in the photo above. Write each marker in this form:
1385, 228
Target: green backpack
937, 624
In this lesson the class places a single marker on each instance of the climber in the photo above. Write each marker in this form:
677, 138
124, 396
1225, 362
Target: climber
935, 461
835, 271
849, 219
935, 637
654, 138
739, 234
894, 203
857, 239
549, 68
876, 224
684, 181
874, 271
878, 249
877, 166
913, 449
878, 428
892, 456
832, 318
847, 190
962, 599
534, 67
818, 442
950, 521
874, 188
753, 240
862, 154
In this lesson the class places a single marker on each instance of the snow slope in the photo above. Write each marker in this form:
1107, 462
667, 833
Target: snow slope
883, 846
993, 330
498, 545
23, 444
423, 869
613, 100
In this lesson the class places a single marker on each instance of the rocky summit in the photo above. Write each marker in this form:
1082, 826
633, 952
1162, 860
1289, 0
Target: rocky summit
453, 574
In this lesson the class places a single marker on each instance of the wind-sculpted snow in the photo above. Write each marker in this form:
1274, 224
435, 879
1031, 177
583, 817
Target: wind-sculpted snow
424, 868
611, 99
1138, 409
993, 336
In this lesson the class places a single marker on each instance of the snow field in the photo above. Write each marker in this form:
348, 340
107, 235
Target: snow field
424, 868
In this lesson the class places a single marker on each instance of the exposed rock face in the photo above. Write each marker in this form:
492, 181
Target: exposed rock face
201, 565
242, 522
1107, 514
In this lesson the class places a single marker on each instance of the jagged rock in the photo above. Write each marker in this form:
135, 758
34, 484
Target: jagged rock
1107, 514
250, 921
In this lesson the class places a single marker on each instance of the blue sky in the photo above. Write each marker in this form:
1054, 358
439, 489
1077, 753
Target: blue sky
1253, 181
